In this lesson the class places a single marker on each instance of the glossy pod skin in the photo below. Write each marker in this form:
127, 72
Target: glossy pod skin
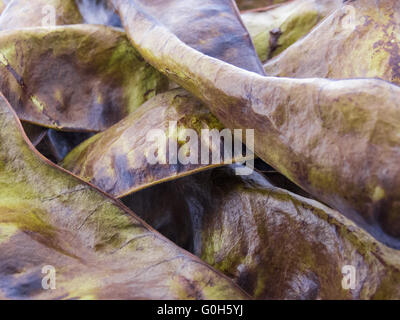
98, 247
276, 28
116, 160
74, 78
360, 40
273, 243
339, 140
211, 27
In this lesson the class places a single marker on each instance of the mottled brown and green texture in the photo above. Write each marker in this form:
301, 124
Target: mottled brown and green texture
273, 243
99, 248
212, 27
278, 245
117, 160
339, 140
254, 4
361, 40
77, 78
35, 13
276, 28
